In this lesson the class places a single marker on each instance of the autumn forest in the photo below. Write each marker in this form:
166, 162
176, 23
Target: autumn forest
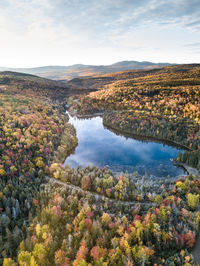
54, 214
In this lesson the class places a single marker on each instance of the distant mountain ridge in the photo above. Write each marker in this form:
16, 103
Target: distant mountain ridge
80, 70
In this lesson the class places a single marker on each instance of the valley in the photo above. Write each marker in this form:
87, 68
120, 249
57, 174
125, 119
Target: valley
54, 214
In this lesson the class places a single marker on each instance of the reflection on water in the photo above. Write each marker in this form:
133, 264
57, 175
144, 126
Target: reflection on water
101, 147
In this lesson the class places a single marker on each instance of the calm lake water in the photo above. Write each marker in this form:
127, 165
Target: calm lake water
101, 147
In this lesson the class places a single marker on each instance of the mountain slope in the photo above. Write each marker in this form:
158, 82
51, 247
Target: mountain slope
14, 81
167, 73
9, 78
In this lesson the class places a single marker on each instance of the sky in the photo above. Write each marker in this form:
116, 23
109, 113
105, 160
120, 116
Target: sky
65, 32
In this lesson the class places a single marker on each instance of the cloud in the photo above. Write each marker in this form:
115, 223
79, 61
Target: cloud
80, 30
193, 24
193, 45
107, 16
97, 17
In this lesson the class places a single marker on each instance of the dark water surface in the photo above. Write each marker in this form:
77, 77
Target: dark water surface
101, 147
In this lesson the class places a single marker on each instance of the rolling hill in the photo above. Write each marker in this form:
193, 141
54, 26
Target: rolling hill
14, 81
157, 75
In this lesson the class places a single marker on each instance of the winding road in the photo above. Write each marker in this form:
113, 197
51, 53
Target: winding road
98, 198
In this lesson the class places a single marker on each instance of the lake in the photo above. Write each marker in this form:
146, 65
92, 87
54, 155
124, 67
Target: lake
101, 147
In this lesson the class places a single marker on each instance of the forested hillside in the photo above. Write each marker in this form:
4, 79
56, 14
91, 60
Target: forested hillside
55, 215
163, 104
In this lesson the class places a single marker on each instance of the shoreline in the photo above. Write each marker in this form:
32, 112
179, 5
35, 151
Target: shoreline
189, 169
129, 134
144, 137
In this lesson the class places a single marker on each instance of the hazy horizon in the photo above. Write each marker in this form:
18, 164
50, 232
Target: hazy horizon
36, 33
40, 66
